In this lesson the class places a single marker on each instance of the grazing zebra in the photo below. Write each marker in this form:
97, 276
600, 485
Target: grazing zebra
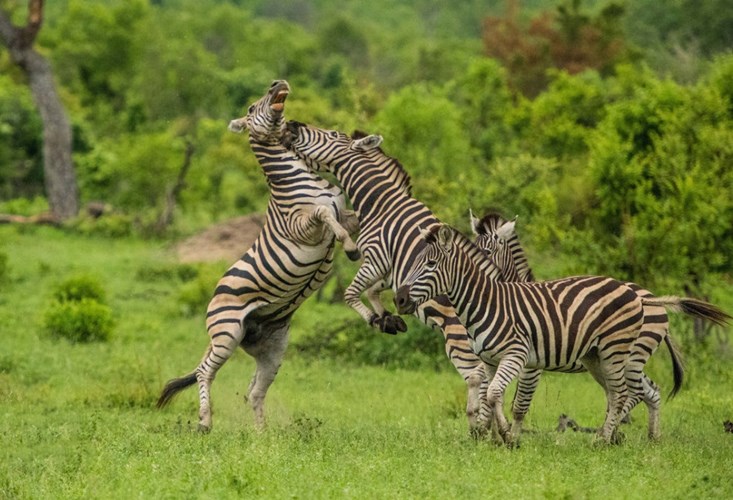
389, 220
498, 238
539, 325
291, 258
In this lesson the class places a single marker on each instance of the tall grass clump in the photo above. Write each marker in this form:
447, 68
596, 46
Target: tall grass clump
79, 312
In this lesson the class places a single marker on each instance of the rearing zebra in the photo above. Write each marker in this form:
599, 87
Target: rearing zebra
498, 238
389, 220
291, 258
541, 325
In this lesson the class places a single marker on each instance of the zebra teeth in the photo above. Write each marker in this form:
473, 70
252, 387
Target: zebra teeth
278, 101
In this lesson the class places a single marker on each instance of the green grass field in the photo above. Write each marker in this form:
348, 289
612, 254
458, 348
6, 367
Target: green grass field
79, 420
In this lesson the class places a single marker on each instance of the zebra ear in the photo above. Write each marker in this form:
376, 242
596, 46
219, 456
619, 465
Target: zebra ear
445, 237
506, 230
475, 223
425, 234
239, 125
367, 143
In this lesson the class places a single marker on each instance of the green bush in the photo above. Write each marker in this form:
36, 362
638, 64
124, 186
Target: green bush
167, 272
84, 320
194, 296
78, 288
351, 340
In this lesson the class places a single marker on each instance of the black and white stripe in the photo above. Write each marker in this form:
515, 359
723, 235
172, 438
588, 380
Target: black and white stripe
292, 257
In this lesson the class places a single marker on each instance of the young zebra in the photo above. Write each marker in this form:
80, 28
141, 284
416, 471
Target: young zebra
291, 258
498, 238
389, 220
539, 325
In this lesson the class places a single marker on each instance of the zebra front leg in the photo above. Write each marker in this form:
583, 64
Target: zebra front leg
366, 277
390, 322
509, 367
526, 387
268, 354
325, 215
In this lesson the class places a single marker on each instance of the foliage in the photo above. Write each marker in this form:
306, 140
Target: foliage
194, 294
615, 164
79, 312
21, 169
84, 320
339, 334
661, 164
567, 39
80, 287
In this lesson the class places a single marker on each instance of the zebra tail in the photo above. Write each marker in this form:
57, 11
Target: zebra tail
692, 307
678, 367
175, 386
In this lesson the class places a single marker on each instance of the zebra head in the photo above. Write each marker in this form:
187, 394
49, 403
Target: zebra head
326, 149
431, 272
264, 118
498, 238
493, 235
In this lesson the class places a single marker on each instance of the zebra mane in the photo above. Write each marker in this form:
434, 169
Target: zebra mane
490, 222
403, 178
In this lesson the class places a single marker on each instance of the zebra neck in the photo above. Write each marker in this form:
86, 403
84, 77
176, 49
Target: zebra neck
524, 271
281, 167
470, 285
369, 188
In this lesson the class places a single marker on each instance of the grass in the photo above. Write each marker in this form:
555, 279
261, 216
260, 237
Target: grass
78, 420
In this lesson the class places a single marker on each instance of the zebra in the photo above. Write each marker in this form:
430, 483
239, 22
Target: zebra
291, 258
539, 325
389, 220
498, 238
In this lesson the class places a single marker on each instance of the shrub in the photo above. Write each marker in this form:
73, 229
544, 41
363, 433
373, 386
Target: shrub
78, 288
84, 320
167, 272
351, 340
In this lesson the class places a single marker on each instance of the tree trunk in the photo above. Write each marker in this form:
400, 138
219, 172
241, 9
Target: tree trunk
58, 168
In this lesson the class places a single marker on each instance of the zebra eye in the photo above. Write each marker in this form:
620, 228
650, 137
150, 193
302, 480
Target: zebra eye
251, 109
431, 264
334, 135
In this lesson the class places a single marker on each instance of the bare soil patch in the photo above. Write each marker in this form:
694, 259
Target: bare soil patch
226, 241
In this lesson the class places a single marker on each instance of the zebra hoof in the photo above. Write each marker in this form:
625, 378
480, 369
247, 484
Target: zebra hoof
203, 429
391, 324
353, 255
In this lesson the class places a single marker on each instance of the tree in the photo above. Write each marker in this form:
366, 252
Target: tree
59, 175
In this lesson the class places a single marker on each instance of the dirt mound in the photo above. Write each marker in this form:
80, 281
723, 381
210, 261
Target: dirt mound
226, 241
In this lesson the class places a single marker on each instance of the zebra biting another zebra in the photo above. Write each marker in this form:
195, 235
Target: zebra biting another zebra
292, 257
547, 325
498, 238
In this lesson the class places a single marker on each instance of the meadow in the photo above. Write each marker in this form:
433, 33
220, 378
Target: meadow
79, 420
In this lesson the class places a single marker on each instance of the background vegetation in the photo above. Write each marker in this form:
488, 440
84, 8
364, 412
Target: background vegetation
606, 126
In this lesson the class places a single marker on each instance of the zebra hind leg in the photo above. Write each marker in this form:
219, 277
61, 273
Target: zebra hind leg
268, 353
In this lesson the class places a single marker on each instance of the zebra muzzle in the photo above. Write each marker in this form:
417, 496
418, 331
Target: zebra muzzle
403, 302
